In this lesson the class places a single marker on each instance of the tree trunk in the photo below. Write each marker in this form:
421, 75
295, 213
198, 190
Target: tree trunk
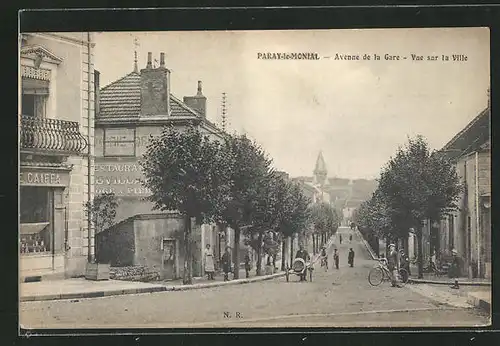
236, 252
187, 278
420, 253
283, 243
291, 250
259, 256
314, 244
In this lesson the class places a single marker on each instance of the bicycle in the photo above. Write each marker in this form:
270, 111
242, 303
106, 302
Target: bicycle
381, 273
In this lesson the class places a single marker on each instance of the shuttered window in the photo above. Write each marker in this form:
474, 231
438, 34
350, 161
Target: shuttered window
35, 87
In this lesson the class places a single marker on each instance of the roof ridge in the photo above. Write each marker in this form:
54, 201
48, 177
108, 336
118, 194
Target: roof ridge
468, 126
119, 80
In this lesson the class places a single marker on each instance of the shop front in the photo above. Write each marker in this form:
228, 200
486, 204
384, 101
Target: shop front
42, 220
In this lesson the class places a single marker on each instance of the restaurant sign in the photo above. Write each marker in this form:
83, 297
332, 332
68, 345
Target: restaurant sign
43, 178
120, 178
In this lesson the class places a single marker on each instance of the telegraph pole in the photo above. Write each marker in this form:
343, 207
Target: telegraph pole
224, 112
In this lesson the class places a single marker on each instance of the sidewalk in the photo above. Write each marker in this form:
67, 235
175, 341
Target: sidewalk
464, 297
82, 288
430, 278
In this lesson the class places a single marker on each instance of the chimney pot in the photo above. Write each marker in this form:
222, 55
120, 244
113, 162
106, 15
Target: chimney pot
162, 59
150, 58
199, 88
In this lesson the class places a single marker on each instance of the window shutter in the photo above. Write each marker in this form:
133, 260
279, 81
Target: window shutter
35, 86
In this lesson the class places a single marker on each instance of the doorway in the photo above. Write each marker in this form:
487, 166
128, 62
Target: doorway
169, 254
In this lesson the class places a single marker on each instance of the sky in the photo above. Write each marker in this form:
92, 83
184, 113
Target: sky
356, 112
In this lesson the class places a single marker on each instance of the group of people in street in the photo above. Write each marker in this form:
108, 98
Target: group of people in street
209, 263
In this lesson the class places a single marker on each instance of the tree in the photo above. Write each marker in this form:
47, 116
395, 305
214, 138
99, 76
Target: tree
325, 220
102, 212
187, 172
295, 215
419, 185
249, 166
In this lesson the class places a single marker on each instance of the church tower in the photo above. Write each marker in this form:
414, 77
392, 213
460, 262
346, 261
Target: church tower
320, 171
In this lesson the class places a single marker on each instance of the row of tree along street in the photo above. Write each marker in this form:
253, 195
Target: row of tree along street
229, 182
416, 185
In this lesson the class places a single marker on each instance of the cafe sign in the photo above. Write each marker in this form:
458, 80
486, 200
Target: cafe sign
43, 178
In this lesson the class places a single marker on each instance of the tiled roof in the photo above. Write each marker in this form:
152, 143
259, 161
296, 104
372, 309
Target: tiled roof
122, 98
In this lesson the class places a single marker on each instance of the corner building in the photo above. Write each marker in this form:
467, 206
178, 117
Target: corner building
56, 148
131, 109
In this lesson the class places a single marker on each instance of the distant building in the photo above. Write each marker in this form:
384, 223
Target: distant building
344, 194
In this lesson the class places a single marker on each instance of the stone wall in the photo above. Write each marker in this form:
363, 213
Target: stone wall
117, 244
134, 273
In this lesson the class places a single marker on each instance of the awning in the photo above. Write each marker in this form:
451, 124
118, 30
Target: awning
32, 228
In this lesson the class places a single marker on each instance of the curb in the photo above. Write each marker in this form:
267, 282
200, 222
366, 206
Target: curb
479, 303
464, 283
141, 290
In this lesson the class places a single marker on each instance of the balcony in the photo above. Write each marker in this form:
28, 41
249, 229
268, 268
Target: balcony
51, 136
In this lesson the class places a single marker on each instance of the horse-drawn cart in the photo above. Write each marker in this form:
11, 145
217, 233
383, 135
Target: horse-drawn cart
299, 268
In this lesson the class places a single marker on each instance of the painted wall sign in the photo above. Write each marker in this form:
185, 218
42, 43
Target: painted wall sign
43, 178
121, 178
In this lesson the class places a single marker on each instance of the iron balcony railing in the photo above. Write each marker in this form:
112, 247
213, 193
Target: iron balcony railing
51, 135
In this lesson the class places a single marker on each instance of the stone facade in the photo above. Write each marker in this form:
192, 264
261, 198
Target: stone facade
468, 229
71, 98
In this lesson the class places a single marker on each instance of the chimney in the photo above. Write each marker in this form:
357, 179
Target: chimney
155, 89
197, 102
162, 59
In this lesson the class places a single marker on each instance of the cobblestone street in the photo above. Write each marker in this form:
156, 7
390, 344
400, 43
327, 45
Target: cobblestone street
337, 298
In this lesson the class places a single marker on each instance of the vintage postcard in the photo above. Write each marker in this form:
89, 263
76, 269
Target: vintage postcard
248, 179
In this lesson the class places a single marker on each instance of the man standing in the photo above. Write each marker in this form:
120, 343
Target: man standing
350, 257
226, 263
455, 269
248, 262
393, 264
302, 253
340, 238
336, 258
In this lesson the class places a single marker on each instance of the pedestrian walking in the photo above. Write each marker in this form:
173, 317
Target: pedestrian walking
404, 261
350, 238
324, 257
455, 268
248, 263
393, 264
302, 253
208, 260
340, 238
226, 263
350, 257
336, 258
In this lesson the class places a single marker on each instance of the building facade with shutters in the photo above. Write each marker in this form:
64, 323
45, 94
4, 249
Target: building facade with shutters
468, 230
56, 145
